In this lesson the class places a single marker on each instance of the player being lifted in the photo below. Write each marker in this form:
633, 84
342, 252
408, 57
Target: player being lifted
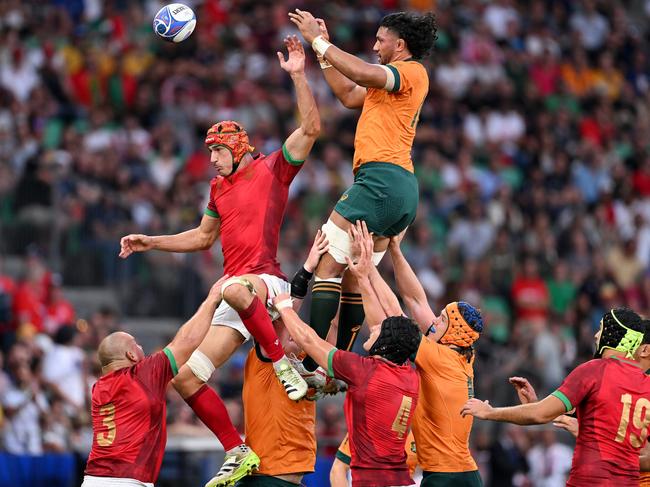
610, 395
248, 198
385, 190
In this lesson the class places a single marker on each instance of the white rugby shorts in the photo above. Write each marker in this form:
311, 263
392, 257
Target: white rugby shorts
90, 481
226, 316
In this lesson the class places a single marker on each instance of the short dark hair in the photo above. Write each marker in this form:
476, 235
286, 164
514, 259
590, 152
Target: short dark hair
418, 31
646, 332
398, 340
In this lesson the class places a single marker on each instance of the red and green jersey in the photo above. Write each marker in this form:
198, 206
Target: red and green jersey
251, 205
379, 407
129, 419
612, 400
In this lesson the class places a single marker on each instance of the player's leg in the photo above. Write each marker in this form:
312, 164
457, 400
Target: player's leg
247, 295
326, 291
216, 348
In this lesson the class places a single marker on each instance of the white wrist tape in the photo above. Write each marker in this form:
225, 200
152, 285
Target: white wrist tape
320, 45
286, 303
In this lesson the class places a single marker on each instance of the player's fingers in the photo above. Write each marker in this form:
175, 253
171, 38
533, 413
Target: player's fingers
350, 264
280, 58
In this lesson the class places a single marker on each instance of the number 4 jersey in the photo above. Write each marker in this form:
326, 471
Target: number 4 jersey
378, 411
612, 400
129, 417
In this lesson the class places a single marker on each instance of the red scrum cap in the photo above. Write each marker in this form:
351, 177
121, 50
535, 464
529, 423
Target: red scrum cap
232, 136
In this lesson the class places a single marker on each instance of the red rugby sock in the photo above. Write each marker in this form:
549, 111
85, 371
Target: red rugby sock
210, 409
258, 323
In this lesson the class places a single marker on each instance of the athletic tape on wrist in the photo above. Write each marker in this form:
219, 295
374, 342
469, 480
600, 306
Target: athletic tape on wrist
285, 303
320, 45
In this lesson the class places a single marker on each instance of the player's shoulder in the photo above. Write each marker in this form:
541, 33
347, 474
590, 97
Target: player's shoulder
411, 67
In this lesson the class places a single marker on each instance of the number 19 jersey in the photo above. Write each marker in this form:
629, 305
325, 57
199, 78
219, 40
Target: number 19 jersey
129, 417
612, 400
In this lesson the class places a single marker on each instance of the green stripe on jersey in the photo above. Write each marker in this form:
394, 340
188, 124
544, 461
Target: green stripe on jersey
172, 360
330, 359
211, 213
398, 81
565, 400
343, 457
287, 156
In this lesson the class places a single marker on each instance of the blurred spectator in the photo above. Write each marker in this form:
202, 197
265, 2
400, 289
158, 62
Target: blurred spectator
549, 460
23, 405
64, 369
508, 462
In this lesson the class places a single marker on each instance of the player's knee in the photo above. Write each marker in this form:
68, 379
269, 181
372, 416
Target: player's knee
238, 293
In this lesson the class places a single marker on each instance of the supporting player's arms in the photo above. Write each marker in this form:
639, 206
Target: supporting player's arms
199, 238
540, 412
302, 334
191, 334
357, 70
411, 290
378, 302
300, 142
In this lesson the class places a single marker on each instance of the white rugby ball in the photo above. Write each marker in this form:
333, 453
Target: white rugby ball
174, 22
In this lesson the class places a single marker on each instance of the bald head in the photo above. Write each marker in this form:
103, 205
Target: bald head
119, 348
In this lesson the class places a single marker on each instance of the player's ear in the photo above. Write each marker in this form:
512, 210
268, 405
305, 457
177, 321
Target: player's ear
131, 356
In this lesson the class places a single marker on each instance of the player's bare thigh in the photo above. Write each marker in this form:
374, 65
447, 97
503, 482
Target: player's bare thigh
328, 267
221, 341
218, 346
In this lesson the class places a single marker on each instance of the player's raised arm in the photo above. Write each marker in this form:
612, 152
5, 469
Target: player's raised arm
364, 270
199, 238
300, 142
191, 334
540, 412
376, 306
314, 346
350, 94
410, 288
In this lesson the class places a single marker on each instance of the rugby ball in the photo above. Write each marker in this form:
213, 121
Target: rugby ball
174, 22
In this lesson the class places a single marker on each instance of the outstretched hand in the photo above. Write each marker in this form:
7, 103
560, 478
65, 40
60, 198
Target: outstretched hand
477, 408
525, 391
215, 290
134, 243
295, 63
567, 423
320, 246
362, 247
308, 25
396, 241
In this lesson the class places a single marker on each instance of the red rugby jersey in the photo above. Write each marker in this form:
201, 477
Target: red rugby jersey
379, 406
251, 205
129, 419
612, 400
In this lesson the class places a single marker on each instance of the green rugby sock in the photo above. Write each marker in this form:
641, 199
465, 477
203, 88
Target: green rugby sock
325, 296
351, 318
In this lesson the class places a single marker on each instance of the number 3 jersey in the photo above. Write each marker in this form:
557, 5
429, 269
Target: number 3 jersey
612, 400
378, 411
129, 419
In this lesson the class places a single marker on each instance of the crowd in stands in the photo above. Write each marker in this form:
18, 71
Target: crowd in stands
531, 154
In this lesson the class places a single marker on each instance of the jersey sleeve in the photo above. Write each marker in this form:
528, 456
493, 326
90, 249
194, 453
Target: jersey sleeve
579, 383
408, 75
211, 209
283, 166
156, 371
347, 366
